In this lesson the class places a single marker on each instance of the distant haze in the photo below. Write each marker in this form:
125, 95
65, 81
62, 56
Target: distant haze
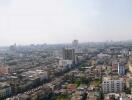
61, 21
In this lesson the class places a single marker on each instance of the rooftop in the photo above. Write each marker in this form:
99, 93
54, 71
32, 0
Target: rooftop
4, 85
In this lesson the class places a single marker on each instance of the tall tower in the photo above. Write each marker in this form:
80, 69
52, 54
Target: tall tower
75, 43
68, 54
121, 69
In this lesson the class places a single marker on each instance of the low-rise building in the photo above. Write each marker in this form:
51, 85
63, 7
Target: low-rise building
93, 73
93, 96
77, 96
65, 63
116, 96
130, 67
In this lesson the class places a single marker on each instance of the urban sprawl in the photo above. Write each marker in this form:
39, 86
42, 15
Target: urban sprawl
76, 71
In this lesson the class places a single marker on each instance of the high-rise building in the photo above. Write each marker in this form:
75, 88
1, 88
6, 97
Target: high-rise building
121, 69
75, 43
110, 85
68, 54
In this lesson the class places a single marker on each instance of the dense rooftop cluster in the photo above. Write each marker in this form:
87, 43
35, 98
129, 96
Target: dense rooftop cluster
89, 71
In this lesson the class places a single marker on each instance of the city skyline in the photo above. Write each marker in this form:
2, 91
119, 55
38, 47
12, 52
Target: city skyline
61, 21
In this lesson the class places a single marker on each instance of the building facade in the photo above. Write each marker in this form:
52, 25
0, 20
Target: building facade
121, 69
112, 86
68, 54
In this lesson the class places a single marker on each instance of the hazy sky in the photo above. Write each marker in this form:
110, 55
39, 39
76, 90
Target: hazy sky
61, 21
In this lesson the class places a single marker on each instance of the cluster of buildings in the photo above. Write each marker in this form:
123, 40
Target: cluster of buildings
96, 71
